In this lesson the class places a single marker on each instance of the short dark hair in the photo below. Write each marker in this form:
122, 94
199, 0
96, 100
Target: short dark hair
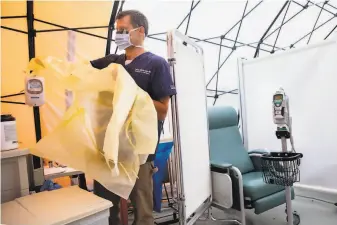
137, 18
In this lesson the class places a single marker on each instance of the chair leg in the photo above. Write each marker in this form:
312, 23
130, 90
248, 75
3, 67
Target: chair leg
238, 176
225, 220
212, 218
242, 201
242, 206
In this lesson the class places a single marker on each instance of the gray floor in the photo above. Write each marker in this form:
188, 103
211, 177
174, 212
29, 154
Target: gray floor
311, 212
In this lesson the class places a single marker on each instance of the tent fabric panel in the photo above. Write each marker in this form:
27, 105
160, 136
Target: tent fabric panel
55, 44
14, 51
13, 8
74, 13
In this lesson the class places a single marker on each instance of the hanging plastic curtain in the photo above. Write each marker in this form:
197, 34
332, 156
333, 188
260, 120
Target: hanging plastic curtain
108, 130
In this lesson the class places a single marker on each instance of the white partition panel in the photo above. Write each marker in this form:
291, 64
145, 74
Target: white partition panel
309, 78
191, 110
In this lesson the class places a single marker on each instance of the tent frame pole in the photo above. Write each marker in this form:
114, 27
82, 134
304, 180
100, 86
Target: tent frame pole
37, 161
31, 52
111, 27
268, 29
119, 10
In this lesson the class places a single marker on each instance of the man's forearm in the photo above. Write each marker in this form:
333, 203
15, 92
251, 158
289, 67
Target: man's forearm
161, 110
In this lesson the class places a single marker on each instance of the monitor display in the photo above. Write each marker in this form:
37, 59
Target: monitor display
278, 97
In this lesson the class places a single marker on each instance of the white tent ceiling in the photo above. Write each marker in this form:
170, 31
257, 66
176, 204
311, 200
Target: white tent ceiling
210, 19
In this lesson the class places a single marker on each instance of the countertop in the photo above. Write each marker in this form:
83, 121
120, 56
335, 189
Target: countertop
61, 206
14, 153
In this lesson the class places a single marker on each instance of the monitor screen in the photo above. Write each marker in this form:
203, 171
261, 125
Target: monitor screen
278, 97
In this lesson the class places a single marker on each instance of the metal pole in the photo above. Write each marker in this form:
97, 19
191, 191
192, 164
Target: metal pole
71, 29
177, 159
177, 163
11, 102
288, 20
13, 17
330, 32
68, 28
219, 68
237, 34
12, 95
189, 17
111, 27
288, 188
234, 24
217, 74
313, 29
194, 6
279, 31
120, 9
31, 52
13, 29
270, 26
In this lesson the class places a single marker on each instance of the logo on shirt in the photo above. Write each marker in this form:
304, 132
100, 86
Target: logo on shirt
147, 72
172, 87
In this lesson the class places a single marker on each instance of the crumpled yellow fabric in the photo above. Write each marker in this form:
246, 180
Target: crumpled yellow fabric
109, 129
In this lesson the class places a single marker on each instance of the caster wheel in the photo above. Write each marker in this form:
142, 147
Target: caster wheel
296, 218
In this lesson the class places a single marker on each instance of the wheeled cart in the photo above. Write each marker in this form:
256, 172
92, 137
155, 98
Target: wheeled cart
282, 168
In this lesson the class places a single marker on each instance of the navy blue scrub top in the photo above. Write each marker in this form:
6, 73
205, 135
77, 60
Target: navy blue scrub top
150, 72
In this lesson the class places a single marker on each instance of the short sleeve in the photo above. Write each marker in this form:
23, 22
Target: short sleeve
104, 62
161, 80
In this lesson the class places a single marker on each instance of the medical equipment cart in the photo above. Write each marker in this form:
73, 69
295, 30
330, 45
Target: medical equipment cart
282, 168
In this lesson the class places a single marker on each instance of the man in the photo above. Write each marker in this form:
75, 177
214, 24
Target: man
152, 74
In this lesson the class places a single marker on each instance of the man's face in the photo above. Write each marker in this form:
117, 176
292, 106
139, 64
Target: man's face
124, 25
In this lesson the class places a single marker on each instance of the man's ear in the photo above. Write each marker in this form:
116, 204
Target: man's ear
142, 30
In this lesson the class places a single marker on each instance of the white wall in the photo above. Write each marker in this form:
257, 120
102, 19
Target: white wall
308, 76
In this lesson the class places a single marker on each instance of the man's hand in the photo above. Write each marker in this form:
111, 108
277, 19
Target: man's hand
162, 107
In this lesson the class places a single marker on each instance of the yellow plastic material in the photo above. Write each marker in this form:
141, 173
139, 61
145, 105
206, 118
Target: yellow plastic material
109, 129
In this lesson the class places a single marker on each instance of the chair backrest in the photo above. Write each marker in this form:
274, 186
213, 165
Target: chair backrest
225, 139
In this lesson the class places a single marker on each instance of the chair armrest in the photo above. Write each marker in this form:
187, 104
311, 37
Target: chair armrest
258, 151
255, 156
220, 167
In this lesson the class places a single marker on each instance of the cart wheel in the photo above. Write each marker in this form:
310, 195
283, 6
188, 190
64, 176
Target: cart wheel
296, 218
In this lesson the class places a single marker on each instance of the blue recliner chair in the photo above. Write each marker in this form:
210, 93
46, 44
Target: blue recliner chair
236, 173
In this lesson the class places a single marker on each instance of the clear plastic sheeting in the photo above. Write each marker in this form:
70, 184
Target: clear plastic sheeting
108, 130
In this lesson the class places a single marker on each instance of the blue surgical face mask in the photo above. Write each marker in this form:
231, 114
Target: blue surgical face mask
123, 40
